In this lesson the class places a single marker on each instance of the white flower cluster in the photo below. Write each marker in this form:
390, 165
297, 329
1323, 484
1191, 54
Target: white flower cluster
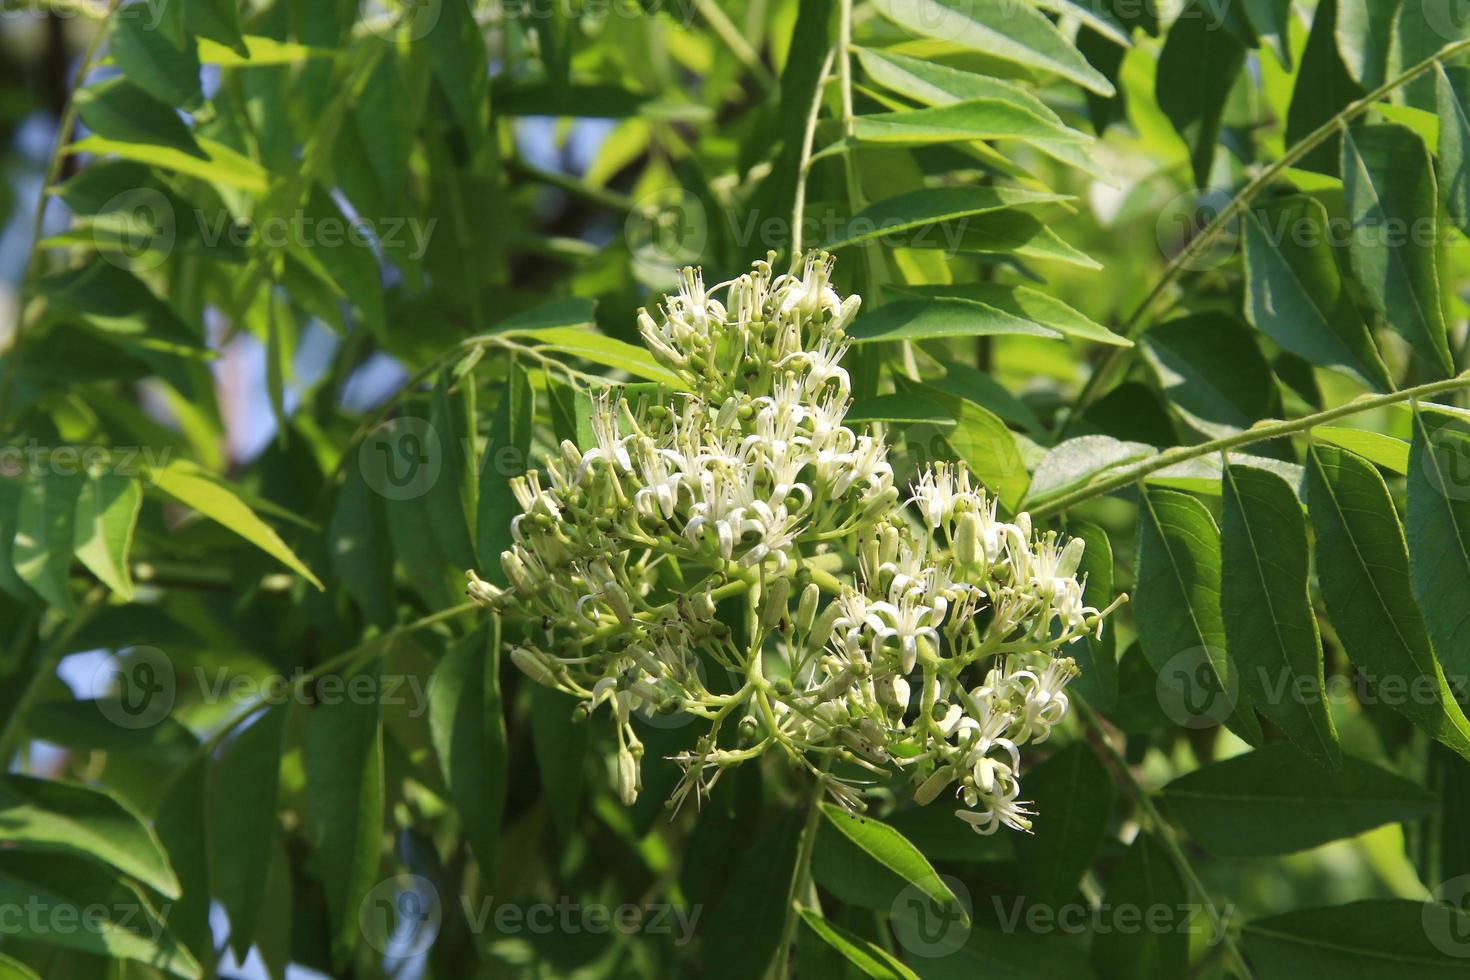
741, 526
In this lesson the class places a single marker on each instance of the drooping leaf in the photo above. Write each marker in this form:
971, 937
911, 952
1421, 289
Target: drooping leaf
1386, 451
1027, 304
1018, 34
979, 438
1146, 879
879, 843
507, 456
1073, 463
245, 793
867, 958
561, 750
1363, 568
1452, 165
45, 529
164, 68
68, 818
977, 119
1364, 33
343, 756
191, 486
1096, 655
1394, 209
1212, 371
1375, 939
891, 216
928, 319
1296, 294
1072, 793
1276, 800
1179, 618
1197, 69
119, 110
1437, 521
1270, 628
1323, 88
107, 511
465, 716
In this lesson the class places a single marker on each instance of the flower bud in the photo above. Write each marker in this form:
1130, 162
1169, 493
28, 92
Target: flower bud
806, 608
630, 780
533, 665
967, 538
821, 630
931, 787
774, 604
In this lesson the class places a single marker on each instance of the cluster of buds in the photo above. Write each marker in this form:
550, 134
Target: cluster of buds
737, 553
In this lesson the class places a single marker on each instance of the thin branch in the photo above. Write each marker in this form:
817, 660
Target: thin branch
798, 210
1177, 266
1260, 432
736, 42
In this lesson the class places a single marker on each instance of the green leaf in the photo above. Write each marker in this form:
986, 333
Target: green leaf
259, 52
107, 512
1027, 304
868, 959
154, 62
44, 533
1392, 202
67, 818
887, 848
507, 456
1177, 608
468, 728
1270, 629
1271, 20
1453, 163
1212, 371
447, 502
1277, 800
1146, 879
599, 349
357, 540
1072, 793
119, 110
107, 936
218, 20
1296, 295
456, 50
561, 749
1096, 656
220, 165
245, 820
1071, 464
343, 756
930, 206
1009, 234
930, 319
193, 487
1376, 939
1381, 450
744, 927
118, 305
1363, 568
12, 969
1365, 30
180, 821
1437, 518
977, 119
1015, 33
1323, 89
899, 409
1010, 954
1197, 69
929, 83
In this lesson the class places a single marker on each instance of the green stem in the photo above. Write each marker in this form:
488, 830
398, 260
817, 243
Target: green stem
800, 877
612, 200
735, 41
1260, 432
1165, 835
1242, 200
798, 209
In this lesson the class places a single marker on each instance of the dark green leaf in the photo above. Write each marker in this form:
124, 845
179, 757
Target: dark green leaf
1296, 295
868, 959
1323, 89
1453, 164
1178, 613
919, 209
166, 69
45, 529
245, 823
1437, 519
1394, 209
1197, 69
1377, 939
929, 319
465, 716
1072, 793
1146, 879
1363, 568
1277, 800
1212, 371
1270, 629
885, 847
120, 110
1096, 656
107, 511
